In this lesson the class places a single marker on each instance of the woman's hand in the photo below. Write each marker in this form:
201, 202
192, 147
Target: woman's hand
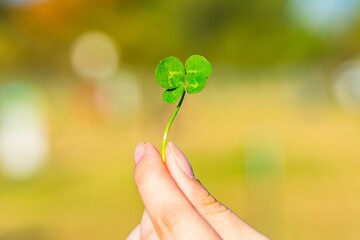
177, 206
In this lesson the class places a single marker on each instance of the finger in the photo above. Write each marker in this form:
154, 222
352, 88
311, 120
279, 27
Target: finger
171, 213
147, 230
226, 223
135, 234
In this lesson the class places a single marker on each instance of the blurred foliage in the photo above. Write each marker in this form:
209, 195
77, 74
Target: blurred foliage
246, 33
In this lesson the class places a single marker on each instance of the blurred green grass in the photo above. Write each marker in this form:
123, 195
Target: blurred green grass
86, 190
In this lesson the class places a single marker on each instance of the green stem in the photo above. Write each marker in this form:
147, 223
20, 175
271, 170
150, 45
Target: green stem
163, 148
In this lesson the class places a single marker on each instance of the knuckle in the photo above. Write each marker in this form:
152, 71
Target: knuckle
149, 235
212, 206
209, 204
167, 222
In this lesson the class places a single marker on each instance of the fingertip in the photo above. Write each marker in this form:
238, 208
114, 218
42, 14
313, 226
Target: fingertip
151, 149
174, 154
147, 161
140, 151
144, 149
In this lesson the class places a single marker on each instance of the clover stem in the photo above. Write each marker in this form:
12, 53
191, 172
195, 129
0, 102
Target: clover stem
163, 148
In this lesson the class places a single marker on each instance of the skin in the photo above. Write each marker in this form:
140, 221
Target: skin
177, 206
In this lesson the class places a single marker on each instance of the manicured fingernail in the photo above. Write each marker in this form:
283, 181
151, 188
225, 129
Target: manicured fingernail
139, 152
181, 160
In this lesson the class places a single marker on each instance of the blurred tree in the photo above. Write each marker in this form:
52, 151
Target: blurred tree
247, 33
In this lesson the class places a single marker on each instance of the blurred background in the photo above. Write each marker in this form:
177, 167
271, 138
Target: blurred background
275, 135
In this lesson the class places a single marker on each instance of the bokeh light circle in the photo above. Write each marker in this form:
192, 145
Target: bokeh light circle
94, 56
120, 96
22, 3
347, 86
323, 17
23, 135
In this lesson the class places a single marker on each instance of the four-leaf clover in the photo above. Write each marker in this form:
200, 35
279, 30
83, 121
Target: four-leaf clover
175, 78
171, 74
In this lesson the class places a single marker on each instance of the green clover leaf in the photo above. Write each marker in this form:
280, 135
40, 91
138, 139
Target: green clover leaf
198, 69
172, 95
170, 73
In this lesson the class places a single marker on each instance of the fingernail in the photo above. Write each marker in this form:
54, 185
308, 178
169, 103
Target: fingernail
139, 152
181, 160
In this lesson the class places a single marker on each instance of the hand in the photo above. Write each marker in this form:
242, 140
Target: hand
177, 206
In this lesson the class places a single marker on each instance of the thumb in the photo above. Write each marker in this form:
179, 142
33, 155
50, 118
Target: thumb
225, 222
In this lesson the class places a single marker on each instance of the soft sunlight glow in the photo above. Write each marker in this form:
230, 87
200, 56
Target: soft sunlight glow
21, 3
325, 16
23, 141
347, 86
94, 56
120, 96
